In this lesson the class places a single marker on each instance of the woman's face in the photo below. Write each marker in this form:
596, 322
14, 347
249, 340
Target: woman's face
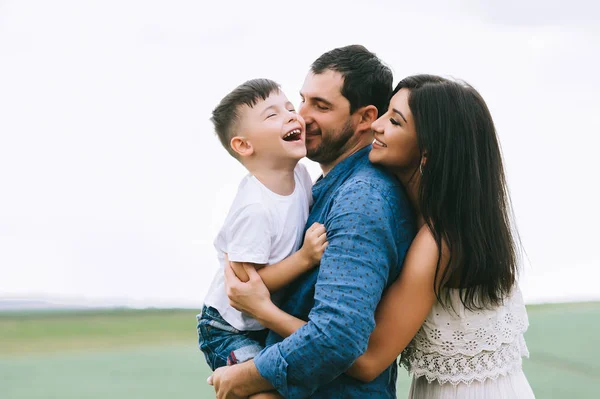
395, 145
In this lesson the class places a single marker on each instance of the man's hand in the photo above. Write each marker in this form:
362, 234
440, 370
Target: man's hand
222, 380
251, 297
238, 381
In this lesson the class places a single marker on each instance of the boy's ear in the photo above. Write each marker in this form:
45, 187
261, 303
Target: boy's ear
367, 115
241, 146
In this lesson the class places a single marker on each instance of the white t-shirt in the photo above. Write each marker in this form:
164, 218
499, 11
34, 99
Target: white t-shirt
262, 227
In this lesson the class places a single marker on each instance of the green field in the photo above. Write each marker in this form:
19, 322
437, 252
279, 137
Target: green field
153, 354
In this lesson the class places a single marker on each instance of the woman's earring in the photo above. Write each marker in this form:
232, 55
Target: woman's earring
421, 168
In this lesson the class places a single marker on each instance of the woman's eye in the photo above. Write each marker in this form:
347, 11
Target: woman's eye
394, 122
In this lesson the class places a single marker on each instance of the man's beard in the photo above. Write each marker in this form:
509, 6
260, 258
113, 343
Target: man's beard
332, 145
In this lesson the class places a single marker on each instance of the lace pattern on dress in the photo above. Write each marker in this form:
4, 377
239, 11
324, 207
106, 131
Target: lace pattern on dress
463, 346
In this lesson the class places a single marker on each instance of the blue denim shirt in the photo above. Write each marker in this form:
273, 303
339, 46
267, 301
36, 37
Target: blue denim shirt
369, 228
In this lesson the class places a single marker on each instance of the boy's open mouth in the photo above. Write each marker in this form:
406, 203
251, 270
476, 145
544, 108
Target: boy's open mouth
293, 135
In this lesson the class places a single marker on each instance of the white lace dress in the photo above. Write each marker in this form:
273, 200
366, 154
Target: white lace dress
470, 354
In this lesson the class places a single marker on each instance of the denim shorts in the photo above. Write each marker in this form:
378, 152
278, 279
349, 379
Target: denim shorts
224, 345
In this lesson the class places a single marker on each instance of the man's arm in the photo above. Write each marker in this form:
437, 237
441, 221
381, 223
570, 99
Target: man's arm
352, 276
403, 308
253, 298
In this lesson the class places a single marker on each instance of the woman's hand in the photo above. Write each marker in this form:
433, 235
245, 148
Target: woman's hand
252, 297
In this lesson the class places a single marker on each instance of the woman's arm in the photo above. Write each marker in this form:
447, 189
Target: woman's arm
280, 274
402, 309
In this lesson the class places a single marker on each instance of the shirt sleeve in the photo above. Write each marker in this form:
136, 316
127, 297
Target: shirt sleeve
249, 235
353, 274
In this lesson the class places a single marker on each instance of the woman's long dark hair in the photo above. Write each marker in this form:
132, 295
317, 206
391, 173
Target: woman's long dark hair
463, 195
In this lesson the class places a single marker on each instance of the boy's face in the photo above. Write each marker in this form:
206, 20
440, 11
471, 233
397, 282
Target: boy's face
274, 129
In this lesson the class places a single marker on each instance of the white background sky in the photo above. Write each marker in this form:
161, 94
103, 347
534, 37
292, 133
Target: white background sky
113, 185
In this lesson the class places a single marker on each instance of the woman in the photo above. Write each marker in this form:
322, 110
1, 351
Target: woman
455, 313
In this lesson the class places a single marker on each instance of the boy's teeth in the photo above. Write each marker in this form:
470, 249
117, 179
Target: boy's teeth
295, 131
375, 141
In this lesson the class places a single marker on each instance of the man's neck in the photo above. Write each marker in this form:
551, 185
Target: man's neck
280, 181
327, 167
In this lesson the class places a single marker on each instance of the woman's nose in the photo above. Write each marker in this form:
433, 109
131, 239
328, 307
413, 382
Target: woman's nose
376, 125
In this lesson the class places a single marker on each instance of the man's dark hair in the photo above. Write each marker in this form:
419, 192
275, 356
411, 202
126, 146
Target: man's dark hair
367, 81
226, 115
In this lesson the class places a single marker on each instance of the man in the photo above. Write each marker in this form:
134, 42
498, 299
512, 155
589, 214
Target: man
369, 228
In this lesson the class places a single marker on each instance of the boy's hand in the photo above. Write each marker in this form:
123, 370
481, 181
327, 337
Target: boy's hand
315, 242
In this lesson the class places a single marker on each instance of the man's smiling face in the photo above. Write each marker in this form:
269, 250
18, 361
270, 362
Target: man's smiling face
329, 127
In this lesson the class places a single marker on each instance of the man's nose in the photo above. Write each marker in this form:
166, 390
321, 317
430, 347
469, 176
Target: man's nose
303, 111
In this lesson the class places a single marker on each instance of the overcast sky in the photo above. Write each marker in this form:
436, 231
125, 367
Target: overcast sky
113, 185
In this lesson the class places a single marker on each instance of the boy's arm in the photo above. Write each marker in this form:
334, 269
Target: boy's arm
280, 274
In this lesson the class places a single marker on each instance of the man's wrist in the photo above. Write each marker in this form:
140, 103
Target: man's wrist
267, 314
250, 380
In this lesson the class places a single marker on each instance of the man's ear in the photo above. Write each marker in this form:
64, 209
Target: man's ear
241, 146
367, 115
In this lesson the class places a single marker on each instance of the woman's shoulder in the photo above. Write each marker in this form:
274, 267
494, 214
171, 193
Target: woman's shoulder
425, 240
424, 250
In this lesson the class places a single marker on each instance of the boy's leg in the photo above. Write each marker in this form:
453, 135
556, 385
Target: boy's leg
211, 339
248, 345
222, 344
266, 395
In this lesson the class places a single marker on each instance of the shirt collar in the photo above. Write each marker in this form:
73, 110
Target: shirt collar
340, 172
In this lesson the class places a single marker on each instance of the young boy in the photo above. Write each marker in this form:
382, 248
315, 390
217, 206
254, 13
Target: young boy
259, 127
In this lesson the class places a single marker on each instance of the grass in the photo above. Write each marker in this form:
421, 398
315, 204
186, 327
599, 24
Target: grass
153, 353
564, 346
55, 331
